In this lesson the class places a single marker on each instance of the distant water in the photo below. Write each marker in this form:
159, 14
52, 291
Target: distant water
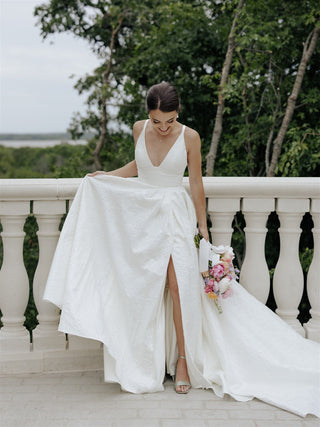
40, 143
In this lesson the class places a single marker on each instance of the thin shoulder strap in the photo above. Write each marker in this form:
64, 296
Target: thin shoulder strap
145, 125
183, 129
142, 133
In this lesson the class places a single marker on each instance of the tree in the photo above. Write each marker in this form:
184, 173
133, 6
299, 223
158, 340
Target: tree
211, 156
105, 95
185, 43
106, 26
265, 65
176, 42
308, 49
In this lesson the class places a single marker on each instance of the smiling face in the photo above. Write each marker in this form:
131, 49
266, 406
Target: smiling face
163, 123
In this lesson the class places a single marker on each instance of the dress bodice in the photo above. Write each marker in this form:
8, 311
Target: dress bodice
170, 171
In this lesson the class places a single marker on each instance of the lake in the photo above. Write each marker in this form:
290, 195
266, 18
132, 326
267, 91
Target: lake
40, 143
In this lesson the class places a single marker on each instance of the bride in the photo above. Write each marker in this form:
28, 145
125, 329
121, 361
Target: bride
123, 239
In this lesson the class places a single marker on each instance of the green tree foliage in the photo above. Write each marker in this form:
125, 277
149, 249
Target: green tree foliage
175, 44
106, 26
184, 42
301, 154
30, 256
62, 160
269, 48
150, 30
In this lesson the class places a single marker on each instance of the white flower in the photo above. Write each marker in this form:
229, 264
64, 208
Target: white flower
224, 284
214, 258
228, 254
219, 249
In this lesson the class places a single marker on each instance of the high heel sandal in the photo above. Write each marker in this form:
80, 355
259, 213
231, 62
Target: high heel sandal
179, 383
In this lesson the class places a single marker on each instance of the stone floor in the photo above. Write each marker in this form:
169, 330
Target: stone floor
80, 399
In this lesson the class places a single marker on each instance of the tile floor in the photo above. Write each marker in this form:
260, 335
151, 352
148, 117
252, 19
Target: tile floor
82, 399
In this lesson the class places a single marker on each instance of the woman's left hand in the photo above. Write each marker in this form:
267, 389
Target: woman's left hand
204, 232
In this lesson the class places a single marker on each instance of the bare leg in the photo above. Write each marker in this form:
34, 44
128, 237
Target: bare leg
182, 371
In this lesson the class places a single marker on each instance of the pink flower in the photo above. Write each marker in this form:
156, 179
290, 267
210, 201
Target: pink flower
220, 274
227, 293
210, 283
217, 271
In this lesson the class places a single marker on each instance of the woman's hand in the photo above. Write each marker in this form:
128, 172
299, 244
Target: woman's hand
127, 171
97, 173
204, 233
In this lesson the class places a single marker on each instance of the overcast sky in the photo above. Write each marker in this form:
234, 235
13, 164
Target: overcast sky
36, 92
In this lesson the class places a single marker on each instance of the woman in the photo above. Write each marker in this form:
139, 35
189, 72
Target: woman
162, 131
124, 237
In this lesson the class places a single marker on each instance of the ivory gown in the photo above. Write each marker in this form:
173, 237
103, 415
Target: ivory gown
108, 275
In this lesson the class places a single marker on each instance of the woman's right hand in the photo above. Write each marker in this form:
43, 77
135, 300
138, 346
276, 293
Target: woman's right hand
97, 173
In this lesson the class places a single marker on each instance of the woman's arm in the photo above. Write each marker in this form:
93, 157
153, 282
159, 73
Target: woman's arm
126, 171
193, 145
130, 169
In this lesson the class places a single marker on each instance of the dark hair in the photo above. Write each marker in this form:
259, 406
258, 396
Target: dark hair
163, 97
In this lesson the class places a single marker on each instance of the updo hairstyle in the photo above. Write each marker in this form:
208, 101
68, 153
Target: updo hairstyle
163, 97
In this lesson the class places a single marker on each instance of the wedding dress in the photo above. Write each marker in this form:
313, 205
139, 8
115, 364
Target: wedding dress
108, 276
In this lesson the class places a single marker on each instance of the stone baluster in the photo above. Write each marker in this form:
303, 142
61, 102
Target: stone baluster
48, 215
14, 282
222, 212
254, 271
288, 275
312, 328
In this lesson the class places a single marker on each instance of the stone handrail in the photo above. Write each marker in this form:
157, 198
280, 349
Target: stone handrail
290, 198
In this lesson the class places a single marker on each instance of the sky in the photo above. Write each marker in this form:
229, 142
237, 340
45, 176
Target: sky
36, 91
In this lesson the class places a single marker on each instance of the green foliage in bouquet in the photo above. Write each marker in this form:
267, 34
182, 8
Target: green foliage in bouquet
197, 239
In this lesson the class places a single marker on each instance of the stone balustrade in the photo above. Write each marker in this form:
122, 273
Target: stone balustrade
47, 200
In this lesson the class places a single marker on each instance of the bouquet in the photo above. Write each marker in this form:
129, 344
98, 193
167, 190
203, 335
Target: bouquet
217, 270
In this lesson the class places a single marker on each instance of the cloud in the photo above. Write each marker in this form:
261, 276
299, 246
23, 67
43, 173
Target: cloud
45, 63
37, 92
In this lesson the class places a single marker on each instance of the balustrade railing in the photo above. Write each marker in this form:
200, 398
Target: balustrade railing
256, 198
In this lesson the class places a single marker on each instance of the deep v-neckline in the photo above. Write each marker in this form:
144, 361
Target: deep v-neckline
146, 150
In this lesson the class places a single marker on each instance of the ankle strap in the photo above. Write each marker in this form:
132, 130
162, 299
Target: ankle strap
181, 357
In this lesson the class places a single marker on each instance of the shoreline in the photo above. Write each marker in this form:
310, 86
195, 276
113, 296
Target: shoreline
40, 143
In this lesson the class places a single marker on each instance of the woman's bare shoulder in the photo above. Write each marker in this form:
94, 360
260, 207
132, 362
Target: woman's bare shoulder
138, 126
192, 138
137, 129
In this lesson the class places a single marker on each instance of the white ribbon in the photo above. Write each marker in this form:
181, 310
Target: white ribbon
208, 252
